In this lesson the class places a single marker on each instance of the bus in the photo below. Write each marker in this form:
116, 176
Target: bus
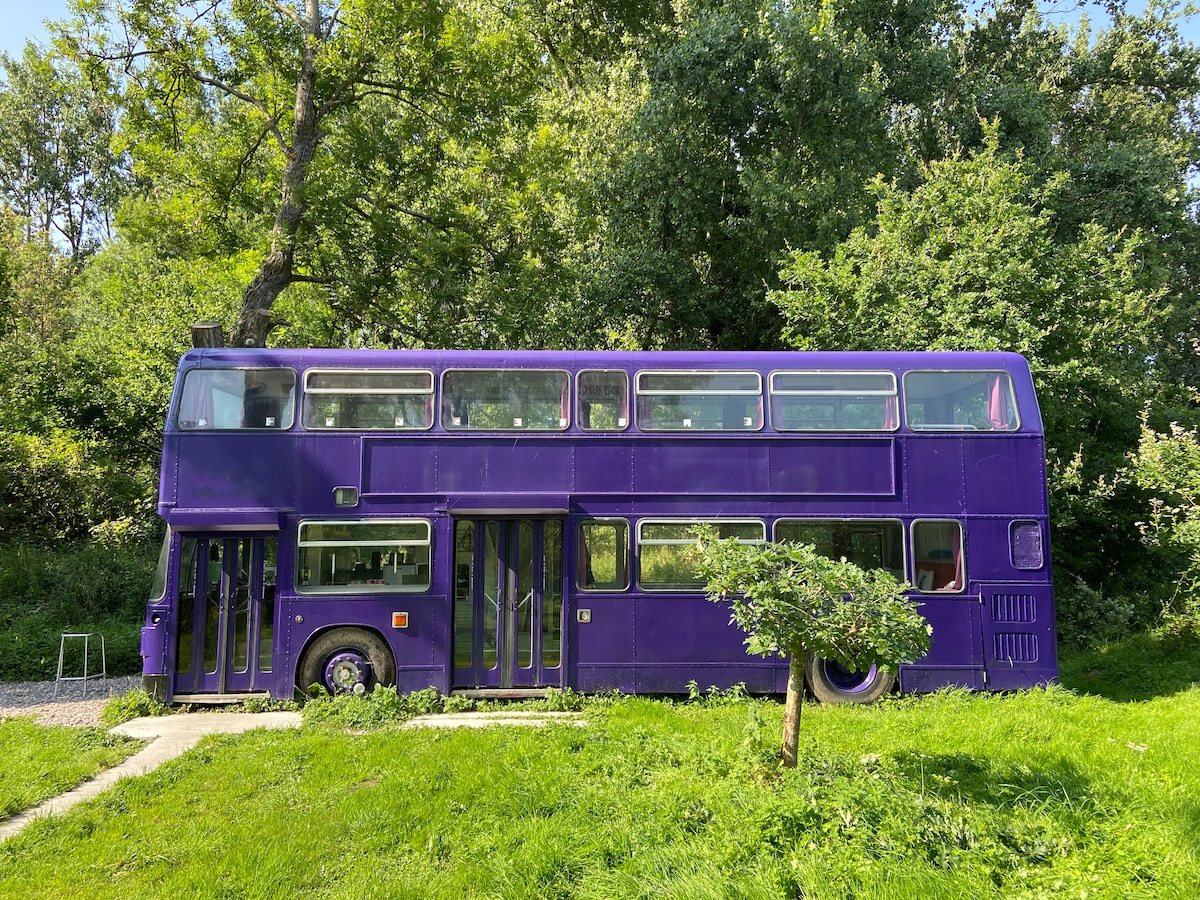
500, 523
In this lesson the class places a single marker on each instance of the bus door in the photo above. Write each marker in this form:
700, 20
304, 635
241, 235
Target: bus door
226, 615
508, 603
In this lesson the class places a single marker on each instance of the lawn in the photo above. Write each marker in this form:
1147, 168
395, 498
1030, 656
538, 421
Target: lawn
1047, 793
40, 762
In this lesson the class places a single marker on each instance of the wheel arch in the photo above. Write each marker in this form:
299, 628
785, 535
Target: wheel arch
306, 663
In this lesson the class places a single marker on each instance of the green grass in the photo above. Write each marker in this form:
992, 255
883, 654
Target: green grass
1048, 794
40, 762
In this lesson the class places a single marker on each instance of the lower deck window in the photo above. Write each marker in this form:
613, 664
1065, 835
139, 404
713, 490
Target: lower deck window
668, 553
363, 557
603, 555
937, 556
868, 543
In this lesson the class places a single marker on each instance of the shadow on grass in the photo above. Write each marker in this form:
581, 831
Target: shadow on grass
1139, 668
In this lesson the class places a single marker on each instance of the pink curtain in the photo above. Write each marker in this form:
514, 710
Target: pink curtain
998, 409
891, 414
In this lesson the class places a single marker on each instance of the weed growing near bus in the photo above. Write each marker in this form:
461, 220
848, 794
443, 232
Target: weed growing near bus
132, 705
792, 601
384, 706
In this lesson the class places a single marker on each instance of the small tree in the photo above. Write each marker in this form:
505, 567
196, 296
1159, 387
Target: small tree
792, 601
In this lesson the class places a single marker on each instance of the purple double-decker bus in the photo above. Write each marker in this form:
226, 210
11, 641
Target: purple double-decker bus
507, 522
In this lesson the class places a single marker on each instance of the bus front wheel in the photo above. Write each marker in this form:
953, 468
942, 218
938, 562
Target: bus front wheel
346, 660
831, 682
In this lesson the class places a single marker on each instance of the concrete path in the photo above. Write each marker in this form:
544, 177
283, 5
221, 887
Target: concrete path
169, 736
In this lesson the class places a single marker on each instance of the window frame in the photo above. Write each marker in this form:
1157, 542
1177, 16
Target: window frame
773, 392
446, 417
308, 391
639, 392
580, 546
1012, 544
902, 573
625, 396
289, 401
690, 588
319, 591
955, 427
962, 557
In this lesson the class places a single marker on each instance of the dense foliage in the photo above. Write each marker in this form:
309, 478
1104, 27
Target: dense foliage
575, 173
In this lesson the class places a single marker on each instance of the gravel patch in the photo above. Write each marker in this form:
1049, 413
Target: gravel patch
72, 706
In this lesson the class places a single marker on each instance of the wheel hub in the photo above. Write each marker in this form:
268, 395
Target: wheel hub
348, 671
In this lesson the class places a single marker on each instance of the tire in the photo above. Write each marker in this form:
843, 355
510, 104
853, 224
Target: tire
346, 659
830, 682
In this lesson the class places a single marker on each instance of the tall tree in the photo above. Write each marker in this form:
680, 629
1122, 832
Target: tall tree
279, 76
57, 166
972, 260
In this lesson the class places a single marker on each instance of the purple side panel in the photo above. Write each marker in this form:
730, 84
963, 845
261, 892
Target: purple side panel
598, 466
998, 480
220, 472
934, 485
700, 466
603, 650
505, 465
846, 467
1018, 635
398, 465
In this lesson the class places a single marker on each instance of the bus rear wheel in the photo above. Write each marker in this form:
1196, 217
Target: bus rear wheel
346, 660
831, 682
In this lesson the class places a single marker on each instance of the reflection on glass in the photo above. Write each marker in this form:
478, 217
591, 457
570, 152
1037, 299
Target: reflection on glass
464, 602
212, 604
491, 594
185, 606
266, 615
552, 595
524, 598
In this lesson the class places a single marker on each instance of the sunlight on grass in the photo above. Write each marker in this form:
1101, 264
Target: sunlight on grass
42, 762
1038, 794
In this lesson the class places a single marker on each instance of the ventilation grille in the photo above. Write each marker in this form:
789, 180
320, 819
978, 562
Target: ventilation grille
1017, 648
1016, 608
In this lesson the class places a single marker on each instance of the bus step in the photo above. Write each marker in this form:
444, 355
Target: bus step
218, 699
501, 693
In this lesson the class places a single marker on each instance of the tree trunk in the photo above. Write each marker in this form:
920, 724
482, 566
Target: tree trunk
791, 710
254, 318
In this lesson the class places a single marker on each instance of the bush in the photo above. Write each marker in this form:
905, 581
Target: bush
86, 587
1089, 618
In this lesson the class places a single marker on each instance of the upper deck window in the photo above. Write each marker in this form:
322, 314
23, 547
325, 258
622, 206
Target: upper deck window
960, 401
699, 401
363, 399
834, 401
505, 400
603, 400
235, 399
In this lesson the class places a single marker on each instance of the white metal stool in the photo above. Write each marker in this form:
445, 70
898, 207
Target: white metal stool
86, 676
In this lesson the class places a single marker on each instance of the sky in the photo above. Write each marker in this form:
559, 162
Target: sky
21, 20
